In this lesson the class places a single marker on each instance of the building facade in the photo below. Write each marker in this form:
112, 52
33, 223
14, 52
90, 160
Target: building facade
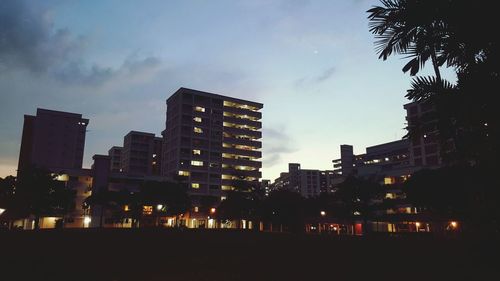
424, 146
115, 154
307, 182
212, 142
386, 163
53, 140
140, 154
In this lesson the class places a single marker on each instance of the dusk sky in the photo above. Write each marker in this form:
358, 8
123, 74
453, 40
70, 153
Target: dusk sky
311, 63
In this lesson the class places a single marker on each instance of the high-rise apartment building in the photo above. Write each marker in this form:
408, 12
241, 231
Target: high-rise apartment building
387, 162
212, 141
424, 146
140, 154
115, 154
307, 182
53, 140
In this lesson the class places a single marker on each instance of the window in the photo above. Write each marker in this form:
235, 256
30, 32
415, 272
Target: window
147, 210
196, 152
197, 163
183, 173
195, 185
197, 130
199, 108
197, 119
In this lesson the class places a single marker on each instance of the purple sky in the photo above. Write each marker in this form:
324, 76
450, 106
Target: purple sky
312, 64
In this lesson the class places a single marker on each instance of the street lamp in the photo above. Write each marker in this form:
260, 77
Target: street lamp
212, 210
322, 213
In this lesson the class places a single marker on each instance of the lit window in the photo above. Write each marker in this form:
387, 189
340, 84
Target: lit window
245, 168
222, 198
197, 130
126, 208
389, 180
184, 173
63, 177
199, 108
197, 163
196, 152
226, 187
147, 210
197, 119
196, 209
195, 185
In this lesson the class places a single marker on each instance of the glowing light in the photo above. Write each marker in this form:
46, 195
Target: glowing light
454, 224
322, 213
147, 210
159, 207
126, 208
87, 220
212, 210
1, 211
63, 177
417, 224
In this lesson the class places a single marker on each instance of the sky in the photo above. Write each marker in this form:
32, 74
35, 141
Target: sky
311, 63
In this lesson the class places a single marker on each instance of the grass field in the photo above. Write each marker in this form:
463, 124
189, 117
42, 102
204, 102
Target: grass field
155, 254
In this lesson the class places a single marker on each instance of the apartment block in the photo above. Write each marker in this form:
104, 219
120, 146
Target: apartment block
212, 142
141, 153
307, 182
388, 162
424, 146
115, 154
53, 140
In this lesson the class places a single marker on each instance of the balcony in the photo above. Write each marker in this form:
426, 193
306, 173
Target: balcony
256, 144
231, 182
236, 131
252, 153
242, 162
234, 172
241, 121
243, 111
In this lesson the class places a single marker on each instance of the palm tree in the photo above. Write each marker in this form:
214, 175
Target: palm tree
439, 30
412, 28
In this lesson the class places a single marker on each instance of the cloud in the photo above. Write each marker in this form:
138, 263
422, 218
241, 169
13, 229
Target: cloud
325, 75
307, 81
29, 41
277, 144
42, 66
96, 75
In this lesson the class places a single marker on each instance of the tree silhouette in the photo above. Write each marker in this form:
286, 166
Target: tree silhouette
172, 196
356, 195
461, 192
40, 194
436, 30
285, 208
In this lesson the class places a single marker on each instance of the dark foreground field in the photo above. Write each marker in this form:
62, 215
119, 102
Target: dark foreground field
226, 255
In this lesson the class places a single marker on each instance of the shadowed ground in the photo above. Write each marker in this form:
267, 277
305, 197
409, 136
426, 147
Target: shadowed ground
155, 254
